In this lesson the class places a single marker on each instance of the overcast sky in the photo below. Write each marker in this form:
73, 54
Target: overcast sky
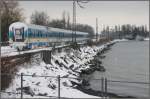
108, 12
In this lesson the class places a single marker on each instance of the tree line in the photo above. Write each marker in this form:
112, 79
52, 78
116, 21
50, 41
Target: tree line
11, 12
125, 31
41, 18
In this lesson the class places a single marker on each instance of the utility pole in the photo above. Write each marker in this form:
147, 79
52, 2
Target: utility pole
74, 22
0, 53
74, 17
96, 29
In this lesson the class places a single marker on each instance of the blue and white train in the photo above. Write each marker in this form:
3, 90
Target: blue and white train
30, 36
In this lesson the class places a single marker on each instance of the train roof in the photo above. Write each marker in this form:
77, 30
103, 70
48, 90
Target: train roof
17, 25
45, 28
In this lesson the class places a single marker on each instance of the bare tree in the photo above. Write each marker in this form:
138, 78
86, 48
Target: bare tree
68, 21
39, 18
10, 12
64, 19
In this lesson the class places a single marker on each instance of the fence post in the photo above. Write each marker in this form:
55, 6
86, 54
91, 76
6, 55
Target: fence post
50, 56
105, 87
102, 86
58, 86
21, 85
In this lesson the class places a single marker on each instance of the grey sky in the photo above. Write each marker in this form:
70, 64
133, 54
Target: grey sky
108, 12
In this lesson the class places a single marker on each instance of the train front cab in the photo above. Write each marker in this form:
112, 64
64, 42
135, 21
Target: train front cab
17, 38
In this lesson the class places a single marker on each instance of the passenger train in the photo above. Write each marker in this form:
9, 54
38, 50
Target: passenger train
29, 36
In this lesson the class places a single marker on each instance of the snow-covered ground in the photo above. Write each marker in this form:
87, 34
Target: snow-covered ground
71, 63
7, 51
66, 64
146, 39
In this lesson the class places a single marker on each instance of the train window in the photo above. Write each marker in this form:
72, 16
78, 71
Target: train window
32, 34
40, 34
54, 34
59, 34
46, 34
43, 34
36, 33
50, 34
28, 33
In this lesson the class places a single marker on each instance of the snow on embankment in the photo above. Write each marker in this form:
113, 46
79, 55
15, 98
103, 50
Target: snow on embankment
5, 50
146, 39
65, 64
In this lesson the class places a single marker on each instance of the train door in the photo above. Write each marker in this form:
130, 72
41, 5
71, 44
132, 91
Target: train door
19, 35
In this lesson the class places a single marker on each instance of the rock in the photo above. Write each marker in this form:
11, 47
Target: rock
34, 74
42, 94
102, 57
85, 83
65, 60
47, 67
101, 68
38, 83
27, 90
65, 84
65, 76
57, 62
52, 86
72, 66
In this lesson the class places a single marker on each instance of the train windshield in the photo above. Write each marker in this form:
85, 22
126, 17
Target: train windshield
19, 35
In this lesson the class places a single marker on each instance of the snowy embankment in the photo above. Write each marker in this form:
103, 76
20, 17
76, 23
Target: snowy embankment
66, 64
146, 39
7, 51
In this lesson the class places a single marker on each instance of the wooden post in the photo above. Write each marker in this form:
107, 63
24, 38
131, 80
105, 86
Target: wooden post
102, 86
21, 85
50, 52
105, 87
58, 86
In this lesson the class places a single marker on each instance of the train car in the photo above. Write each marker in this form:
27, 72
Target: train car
30, 36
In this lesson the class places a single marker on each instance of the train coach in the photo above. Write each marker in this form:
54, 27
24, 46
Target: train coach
29, 36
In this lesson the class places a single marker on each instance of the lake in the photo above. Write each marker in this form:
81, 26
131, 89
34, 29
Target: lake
126, 61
